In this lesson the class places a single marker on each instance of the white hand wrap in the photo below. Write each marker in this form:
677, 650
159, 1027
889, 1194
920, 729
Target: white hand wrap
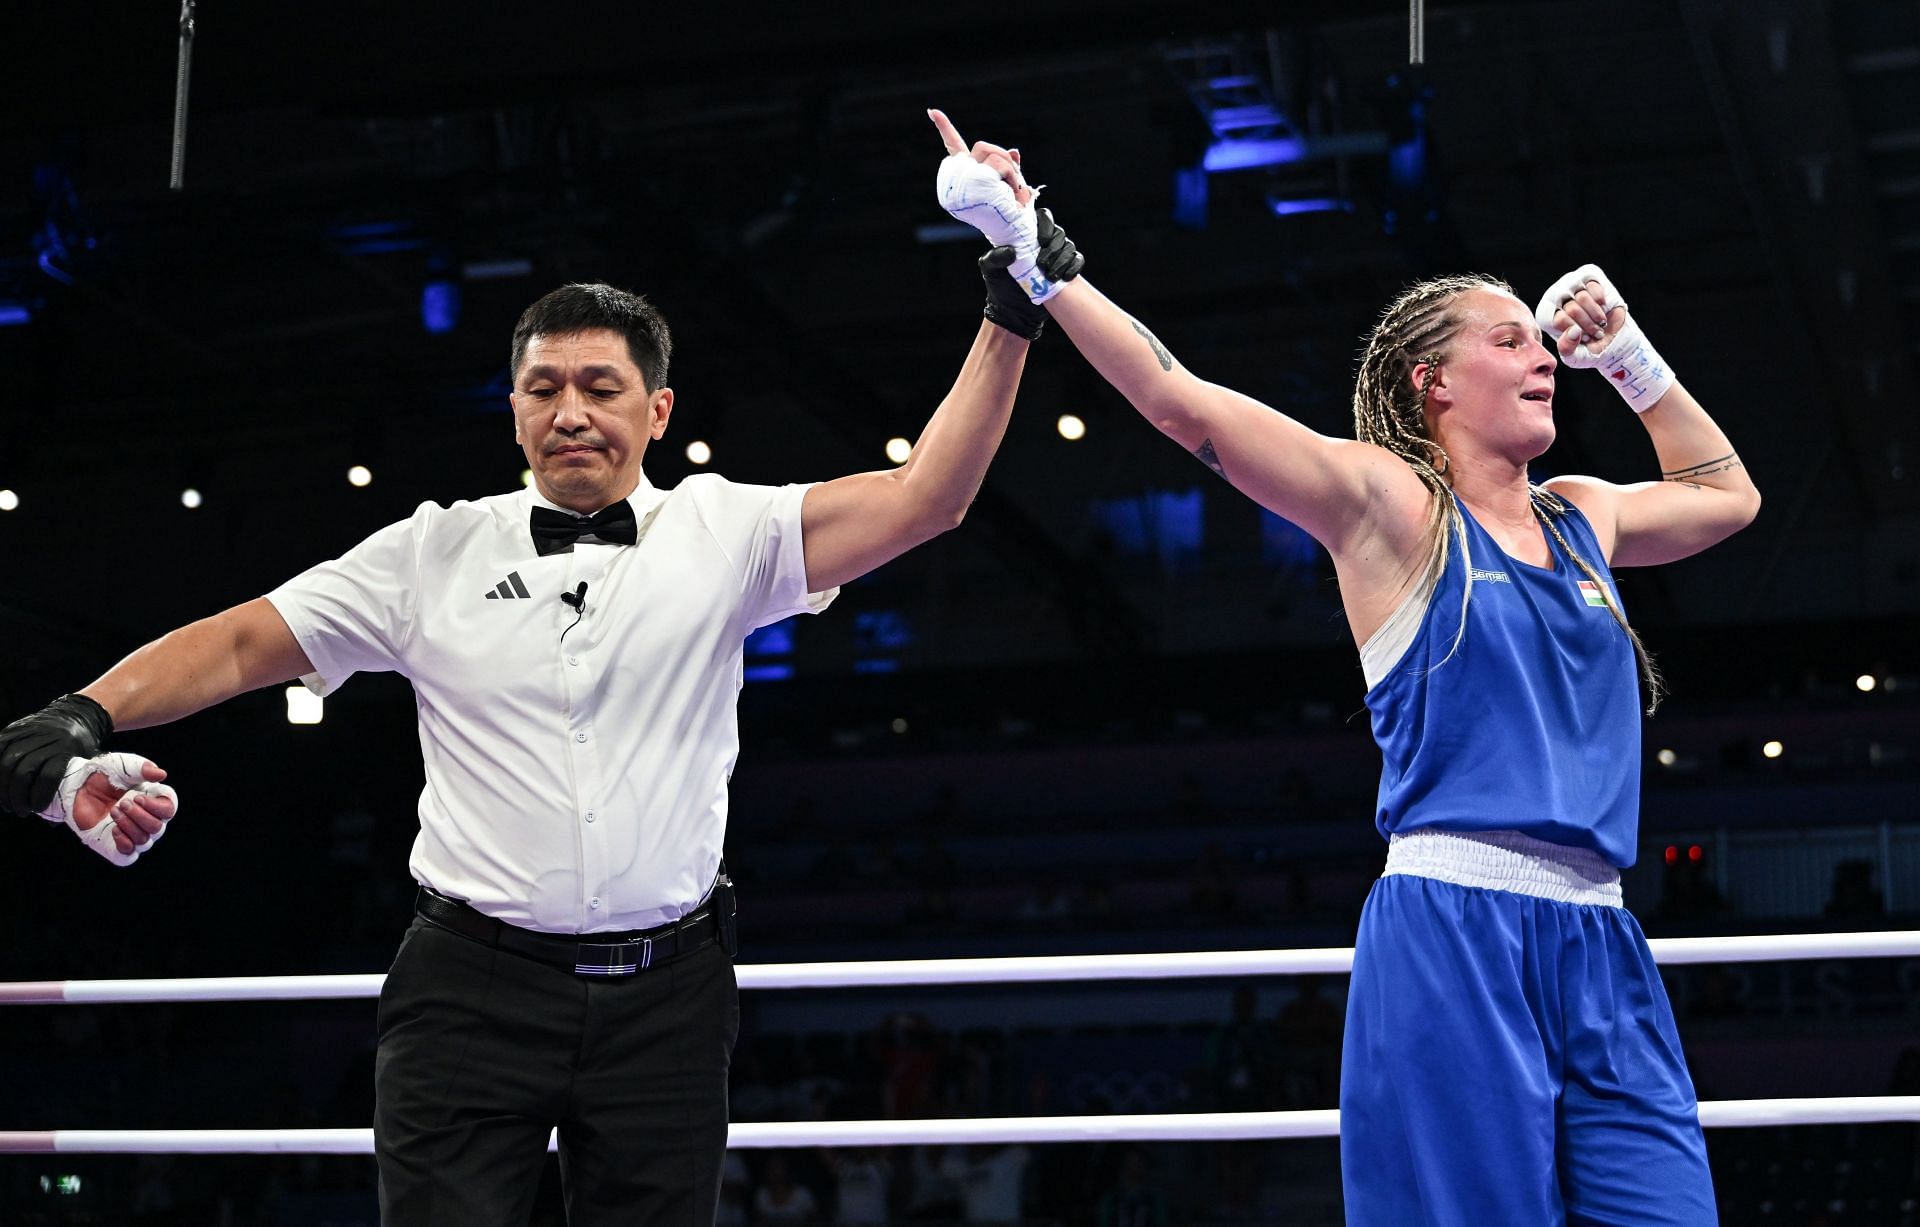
1632, 365
972, 193
122, 771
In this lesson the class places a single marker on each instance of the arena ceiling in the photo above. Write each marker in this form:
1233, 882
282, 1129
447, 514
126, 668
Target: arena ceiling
1748, 172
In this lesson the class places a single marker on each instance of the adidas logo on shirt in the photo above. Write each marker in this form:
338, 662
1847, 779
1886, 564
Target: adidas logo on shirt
509, 588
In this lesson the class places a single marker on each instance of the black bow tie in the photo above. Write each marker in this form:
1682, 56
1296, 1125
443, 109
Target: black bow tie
554, 532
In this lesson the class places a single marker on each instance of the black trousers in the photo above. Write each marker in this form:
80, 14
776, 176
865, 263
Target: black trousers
482, 1053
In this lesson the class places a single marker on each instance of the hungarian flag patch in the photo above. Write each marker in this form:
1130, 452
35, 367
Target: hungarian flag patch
1591, 591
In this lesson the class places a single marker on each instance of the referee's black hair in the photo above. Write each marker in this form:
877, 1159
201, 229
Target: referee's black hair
582, 308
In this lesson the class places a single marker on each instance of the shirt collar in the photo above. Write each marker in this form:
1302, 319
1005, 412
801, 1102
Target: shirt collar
645, 498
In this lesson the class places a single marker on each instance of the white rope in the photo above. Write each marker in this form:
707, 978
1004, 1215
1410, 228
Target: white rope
1153, 1127
1049, 968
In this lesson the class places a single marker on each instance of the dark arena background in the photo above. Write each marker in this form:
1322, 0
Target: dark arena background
1117, 711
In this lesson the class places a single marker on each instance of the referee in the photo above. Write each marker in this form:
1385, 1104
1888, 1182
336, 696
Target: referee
575, 652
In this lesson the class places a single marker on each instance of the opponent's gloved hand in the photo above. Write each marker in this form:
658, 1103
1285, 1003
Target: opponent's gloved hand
34, 750
1007, 303
986, 190
113, 803
1588, 319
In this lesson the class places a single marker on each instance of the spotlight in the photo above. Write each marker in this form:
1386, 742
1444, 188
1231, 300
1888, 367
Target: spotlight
898, 450
1865, 682
190, 498
1773, 749
359, 475
698, 452
1071, 427
8, 500
899, 724
526, 477
1667, 758
304, 706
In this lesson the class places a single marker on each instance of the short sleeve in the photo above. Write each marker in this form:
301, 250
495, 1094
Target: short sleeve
758, 528
353, 614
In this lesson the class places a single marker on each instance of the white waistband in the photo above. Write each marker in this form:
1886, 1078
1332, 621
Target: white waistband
1506, 860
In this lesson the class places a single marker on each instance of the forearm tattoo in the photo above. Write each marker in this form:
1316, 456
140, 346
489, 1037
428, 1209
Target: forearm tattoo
1205, 451
1708, 468
1159, 350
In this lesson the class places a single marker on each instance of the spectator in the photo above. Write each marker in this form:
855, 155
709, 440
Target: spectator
908, 1054
1854, 894
734, 1196
780, 1200
1308, 1030
1133, 1201
863, 1181
1212, 885
1239, 1062
1687, 892
934, 1196
992, 1182
1239, 1058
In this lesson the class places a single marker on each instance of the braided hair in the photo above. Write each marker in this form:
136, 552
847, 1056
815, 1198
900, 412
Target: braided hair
1389, 411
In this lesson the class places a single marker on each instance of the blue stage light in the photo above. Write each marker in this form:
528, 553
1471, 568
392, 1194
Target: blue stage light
440, 306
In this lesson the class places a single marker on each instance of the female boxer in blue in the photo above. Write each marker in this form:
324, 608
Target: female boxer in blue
1510, 1054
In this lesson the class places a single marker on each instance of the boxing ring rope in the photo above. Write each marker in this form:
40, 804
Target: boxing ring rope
1327, 960
1141, 1127
1207, 1126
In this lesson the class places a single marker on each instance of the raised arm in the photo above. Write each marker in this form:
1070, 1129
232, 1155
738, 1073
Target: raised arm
854, 524
1335, 489
1705, 494
1349, 496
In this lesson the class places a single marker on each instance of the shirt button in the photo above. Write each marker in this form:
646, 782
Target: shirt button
573, 660
589, 815
594, 903
579, 736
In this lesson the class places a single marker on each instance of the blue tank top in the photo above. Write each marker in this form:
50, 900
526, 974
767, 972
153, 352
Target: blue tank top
1533, 723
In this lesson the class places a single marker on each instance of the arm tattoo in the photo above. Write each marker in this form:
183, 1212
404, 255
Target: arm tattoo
1708, 468
1205, 451
1159, 350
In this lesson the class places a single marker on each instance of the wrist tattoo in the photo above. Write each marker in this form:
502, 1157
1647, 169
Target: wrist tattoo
1707, 468
1206, 453
1159, 350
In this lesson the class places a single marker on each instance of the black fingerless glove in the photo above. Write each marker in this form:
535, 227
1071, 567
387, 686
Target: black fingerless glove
1007, 301
1058, 258
34, 750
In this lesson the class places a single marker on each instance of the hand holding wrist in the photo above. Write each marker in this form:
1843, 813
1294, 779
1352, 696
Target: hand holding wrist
34, 749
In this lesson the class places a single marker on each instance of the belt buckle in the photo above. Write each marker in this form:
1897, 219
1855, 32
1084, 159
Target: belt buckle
613, 958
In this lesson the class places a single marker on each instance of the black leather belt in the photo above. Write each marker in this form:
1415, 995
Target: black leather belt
596, 954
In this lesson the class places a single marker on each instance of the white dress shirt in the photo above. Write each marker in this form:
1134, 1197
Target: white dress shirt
576, 774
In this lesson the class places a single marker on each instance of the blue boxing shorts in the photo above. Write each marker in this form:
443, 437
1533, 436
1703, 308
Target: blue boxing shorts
1510, 1056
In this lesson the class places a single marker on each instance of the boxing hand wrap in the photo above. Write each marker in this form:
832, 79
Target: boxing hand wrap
1630, 362
122, 771
972, 193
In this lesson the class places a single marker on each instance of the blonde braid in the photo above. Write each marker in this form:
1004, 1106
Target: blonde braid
1549, 507
1390, 412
